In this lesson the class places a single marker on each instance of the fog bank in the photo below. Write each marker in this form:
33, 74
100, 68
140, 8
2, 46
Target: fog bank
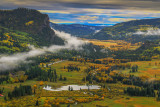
149, 32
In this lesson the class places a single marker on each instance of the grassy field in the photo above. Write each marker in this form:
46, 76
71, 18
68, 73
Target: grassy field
145, 68
115, 44
72, 76
106, 44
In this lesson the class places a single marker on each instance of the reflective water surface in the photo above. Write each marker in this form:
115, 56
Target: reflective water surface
74, 87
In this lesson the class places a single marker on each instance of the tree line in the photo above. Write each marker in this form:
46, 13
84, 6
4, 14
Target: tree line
20, 91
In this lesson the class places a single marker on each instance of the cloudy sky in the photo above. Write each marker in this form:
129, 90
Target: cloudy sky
108, 12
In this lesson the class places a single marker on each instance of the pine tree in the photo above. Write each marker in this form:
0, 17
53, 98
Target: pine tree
64, 78
69, 88
60, 78
37, 103
5, 98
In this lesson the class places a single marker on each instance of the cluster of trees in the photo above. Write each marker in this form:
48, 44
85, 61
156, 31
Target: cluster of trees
105, 79
158, 93
89, 51
14, 76
99, 77
93, 67
127, 81
29, 72
49, 57
1, 90
122, 66
134, 68
14, 41
17, 77
119, 62
62, 78
103, 74
44, 74
72, 68
70, 88
144, 53
149, 91
41, 75
3, 79
134, 80
72, 97
20, 91
82, 59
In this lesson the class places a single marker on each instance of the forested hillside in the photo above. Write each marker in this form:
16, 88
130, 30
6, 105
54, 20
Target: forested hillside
12, 41
126, 31
32, 22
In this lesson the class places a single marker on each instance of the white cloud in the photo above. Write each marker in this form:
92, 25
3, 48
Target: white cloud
88, 17
120, 19
149, 32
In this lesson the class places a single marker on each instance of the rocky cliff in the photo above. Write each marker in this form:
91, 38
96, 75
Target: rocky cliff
32, 22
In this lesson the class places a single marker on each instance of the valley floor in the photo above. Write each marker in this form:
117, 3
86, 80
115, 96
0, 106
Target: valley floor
110, 96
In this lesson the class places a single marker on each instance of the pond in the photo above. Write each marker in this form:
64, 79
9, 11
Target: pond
74, 87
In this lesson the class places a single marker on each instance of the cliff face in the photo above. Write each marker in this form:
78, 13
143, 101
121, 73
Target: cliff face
32, 22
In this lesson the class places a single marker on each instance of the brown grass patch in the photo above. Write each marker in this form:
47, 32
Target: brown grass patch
136, 105
124, 101
152, 72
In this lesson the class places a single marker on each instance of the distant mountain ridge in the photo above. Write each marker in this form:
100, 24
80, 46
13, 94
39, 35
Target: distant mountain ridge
78, 30
126, 31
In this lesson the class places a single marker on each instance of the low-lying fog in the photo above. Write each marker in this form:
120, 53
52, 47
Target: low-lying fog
12, 61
